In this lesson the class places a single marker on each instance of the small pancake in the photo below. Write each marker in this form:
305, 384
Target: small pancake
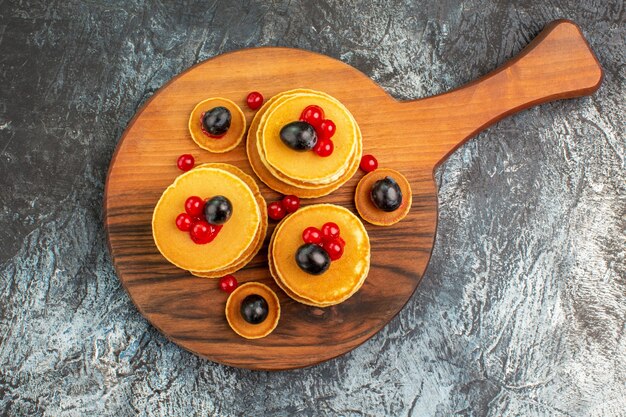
233, 136
237, 322
344, 276
298, 168
278, 185
372, 214
233, 240
261, 232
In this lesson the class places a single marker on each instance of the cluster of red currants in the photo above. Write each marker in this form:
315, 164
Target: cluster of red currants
276, 210
328, 239
324, 129
193, 221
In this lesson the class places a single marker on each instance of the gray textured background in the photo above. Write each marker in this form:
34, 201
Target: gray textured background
522, 310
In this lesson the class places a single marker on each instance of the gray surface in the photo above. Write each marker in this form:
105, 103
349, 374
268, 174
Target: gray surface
521, 312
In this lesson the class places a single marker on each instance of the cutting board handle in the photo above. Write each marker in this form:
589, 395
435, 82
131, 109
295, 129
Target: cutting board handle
557, 64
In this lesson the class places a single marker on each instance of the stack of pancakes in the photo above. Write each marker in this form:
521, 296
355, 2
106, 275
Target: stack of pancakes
343, 278
241, 236
304, 174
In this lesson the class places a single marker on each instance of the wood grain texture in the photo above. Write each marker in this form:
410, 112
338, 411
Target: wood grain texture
411, 137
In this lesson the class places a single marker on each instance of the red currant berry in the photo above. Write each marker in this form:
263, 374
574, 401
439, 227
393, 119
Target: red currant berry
324, 147
254, 100
313, 115
194, 206
326, 129
333, 248
185, 162
215, 229
312, 235
184, 222
340, 240
228, 283
291, 203
368, 163
330, 230
276, 211
201, 232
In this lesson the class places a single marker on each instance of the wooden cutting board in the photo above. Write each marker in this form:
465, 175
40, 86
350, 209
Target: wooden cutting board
412, 137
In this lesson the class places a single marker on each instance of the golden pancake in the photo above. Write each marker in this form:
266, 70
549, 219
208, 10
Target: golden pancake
261, 232
372, 214
237, 322
344, 276
277, 184
233, 136
272, 104
307, 167
259, 132
282, 286
232, 241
